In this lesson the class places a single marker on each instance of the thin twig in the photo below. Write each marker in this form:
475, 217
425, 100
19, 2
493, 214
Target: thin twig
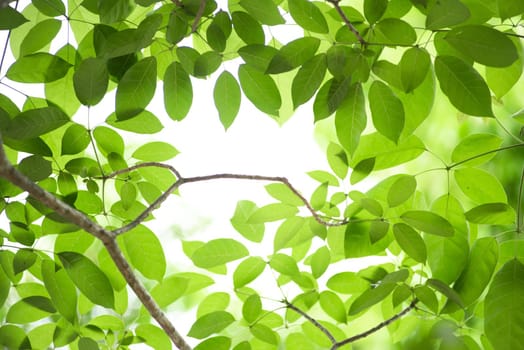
138, 166
313, 321
381, 325
336, 4
3, 4
198, 15
78, 218
517, 145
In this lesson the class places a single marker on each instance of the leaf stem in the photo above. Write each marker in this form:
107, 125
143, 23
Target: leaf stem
336, 4
454, 165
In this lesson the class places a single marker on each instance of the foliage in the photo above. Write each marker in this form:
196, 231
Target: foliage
375, 72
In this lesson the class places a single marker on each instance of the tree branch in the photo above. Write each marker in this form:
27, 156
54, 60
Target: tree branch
336, 4
183, 180
198, 15
108, 238
313, 321
379, 326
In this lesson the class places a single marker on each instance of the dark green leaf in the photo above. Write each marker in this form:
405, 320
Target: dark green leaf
394, 31
207, 63
410, 241
484, 45
88, 277
350, 119
10, 18
260, 89
178, 91
136, 89
90, 80
241, 21
428, 222
374, 9
38, 68
443, 288
464, 86
425, 295
307, 15
227, 98
504, 307
330, 97
177, 27
257, 56
218, 252
210, 323
111, 11
414, 66
23, 259
387, 110
308, 79
36, 168
265, 11
446, 13
509, 8
491, 213
370, 297
293, 54
36, 122
61, 290
51, 8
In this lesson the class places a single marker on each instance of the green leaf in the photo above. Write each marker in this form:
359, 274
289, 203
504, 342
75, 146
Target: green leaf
480, 186
207, 63
272, 212
36, 168
153, 336
483, 44
477, 272
428, 222
248, 270
464, 86
509, 8
501, 80
333, 306
40, 36
23, 259
293, 54
90, 81
29, 309
308, 16
243, 211
260, 89
218, 252
61, 290
257, 56
320, 261
145, 252
252, 308
471, 146
38, 68
370, 297
108, 140
264, 333
241, 21
378, 230
88, 278
374, 9
318, 198
350, 119
401, 190
111, 11
51, 8
143, 123
172, 288
491, 213
210, 323
337, 160
215, 343
178, 91
75, 139
414, 66
427, 297
283, 193
504, 307
136, 89
227, 98
308, 79
394, 31
445, 290
410, 242
265, 11
10, 18
177, 27
284, 264
36, 122
156, 151
362, 170
330, 97
446, 13
387, 110
13, 337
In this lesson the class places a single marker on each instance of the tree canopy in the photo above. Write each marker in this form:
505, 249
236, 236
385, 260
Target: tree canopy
421, 99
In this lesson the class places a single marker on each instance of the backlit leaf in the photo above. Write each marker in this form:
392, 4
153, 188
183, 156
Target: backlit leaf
143, 123
252, 231
394, 31
156, 151
265, 11
227, 98
90, 81
210, 323
88, 278
36, 122
401, 190
333, 306
218, 252
410, 241
414, 66
307, 15
61, 290
272, 212
471, 146
491, 213
248, 270
446, 13
50, 8
374, 9
10, 18
308, 79
428, 222
464, 86
370, 297
480, 186
75, 139
293, 54
387, 110
40, 67
242, 20
350, 119
260, 89
40, 36
178, 91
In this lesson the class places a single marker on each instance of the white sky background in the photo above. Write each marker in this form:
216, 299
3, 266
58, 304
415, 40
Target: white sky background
254, 144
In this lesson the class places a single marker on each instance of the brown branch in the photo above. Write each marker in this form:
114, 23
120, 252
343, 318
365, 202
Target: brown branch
198, 15
183, 180
313, 321
378, 327
108, 238
336, 4
178, 3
